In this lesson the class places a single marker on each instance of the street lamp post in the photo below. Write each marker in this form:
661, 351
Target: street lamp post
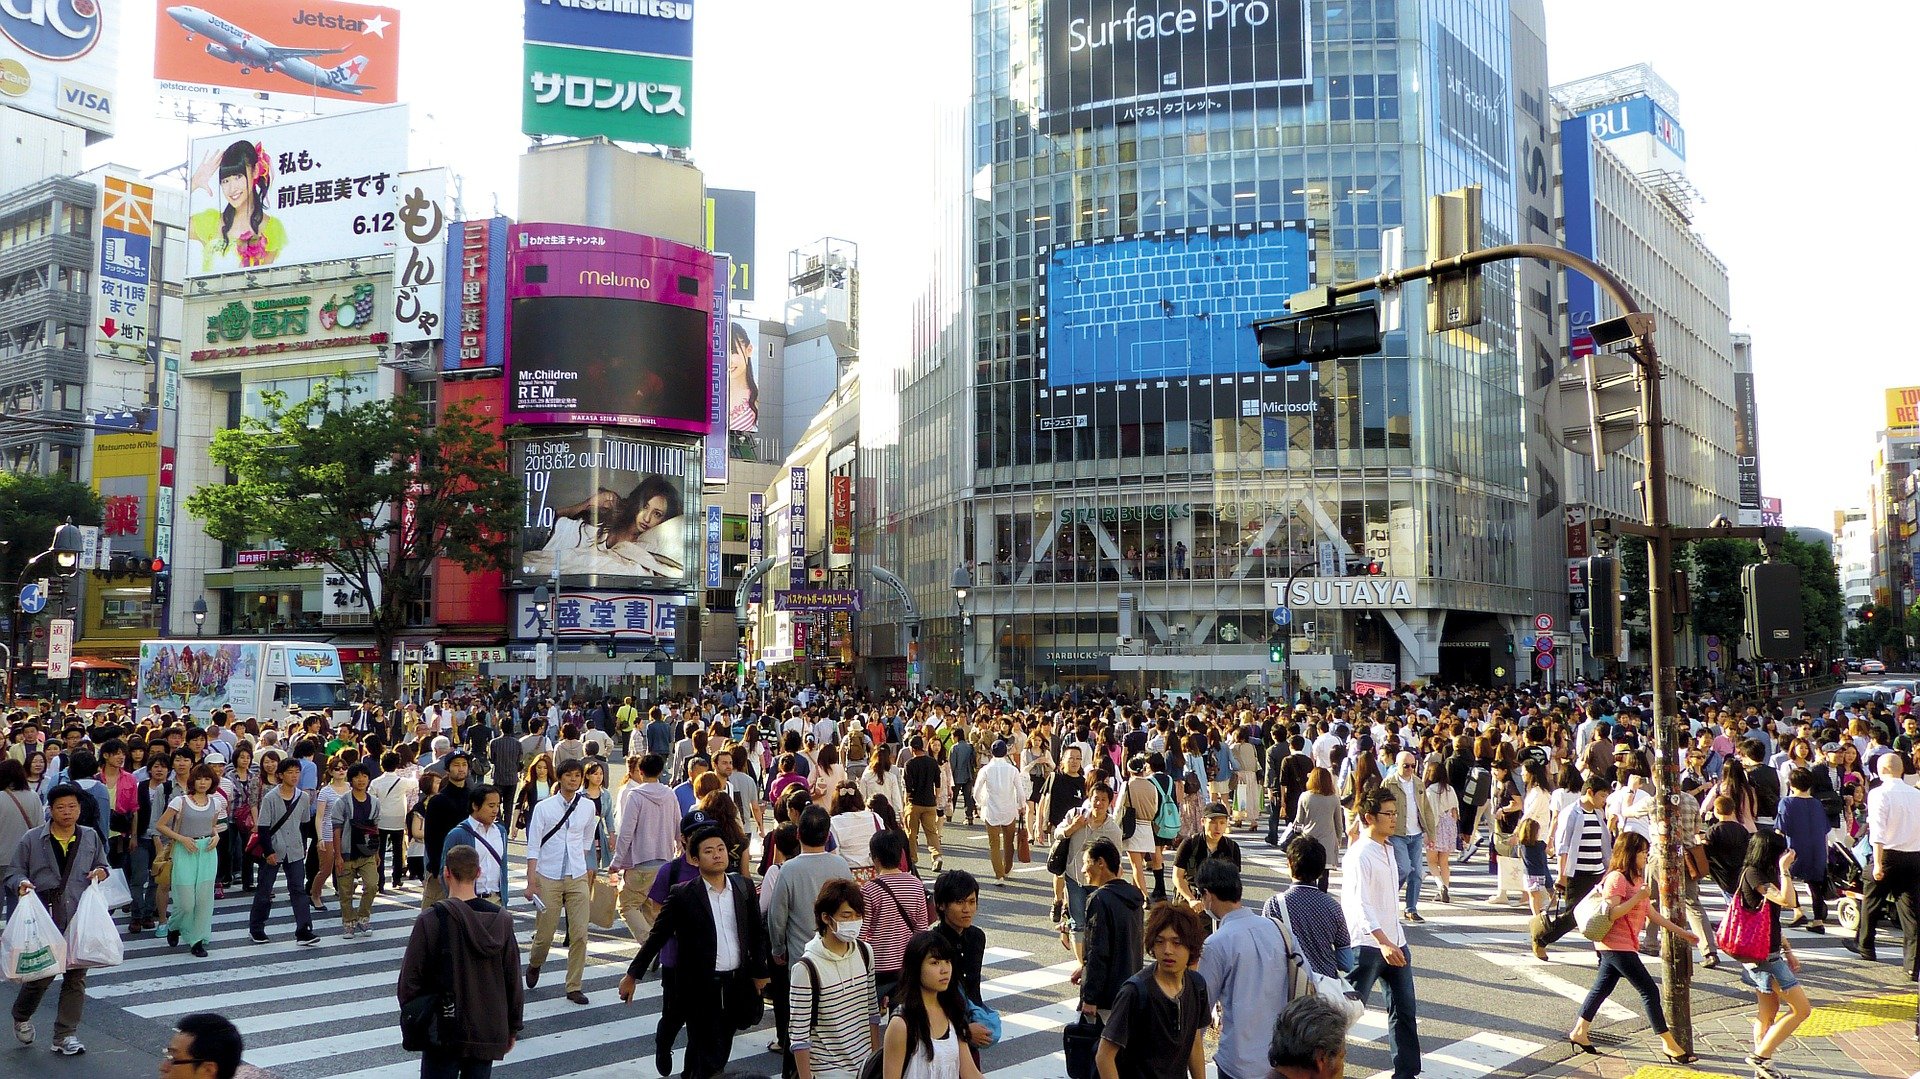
962, 584
200, 617
542, 603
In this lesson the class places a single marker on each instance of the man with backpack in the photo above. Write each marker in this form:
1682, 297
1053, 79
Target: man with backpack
482, 979
831, 1029
791, 918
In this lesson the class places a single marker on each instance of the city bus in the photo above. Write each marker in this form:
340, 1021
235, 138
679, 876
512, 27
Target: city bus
93, 683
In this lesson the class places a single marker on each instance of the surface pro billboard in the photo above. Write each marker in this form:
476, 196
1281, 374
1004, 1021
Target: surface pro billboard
1120, 61
608, 327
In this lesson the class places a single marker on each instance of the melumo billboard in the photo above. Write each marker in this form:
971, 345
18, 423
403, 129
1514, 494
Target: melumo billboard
1120, 61
58, 59
608, 327
281, 54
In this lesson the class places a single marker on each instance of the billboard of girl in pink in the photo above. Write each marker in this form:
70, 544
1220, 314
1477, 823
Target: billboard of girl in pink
237, 233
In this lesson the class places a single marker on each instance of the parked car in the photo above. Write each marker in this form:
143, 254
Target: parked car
1852, 695
1853, 663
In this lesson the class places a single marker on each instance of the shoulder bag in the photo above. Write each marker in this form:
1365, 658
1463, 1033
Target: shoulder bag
258, 845
1745, 933
1590, 914
429, 1020
1303, 979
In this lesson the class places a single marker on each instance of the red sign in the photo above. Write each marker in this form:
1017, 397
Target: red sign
840, 510
261, 558
359, 655
121, 516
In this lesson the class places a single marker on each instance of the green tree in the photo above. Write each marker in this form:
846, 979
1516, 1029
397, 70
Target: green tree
375, 490
31, 507
1718, 607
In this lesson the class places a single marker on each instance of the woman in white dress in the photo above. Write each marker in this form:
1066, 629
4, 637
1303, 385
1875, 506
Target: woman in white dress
608, 533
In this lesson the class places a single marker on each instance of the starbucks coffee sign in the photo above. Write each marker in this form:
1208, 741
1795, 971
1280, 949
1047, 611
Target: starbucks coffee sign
1356, 593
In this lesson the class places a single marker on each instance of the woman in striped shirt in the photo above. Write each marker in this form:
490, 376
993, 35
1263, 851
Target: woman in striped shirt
897, 903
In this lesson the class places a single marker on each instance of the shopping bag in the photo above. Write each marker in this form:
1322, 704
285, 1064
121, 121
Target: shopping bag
1023, 844
92, 938
32, 948
605, 904
114, 889
1592, 916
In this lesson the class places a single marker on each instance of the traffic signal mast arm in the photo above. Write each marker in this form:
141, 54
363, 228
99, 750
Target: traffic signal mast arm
1635, 331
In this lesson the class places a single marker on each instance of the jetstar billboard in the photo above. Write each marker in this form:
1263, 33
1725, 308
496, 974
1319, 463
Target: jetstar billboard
281, 54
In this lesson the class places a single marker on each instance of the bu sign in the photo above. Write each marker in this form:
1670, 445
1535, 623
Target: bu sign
1544, 661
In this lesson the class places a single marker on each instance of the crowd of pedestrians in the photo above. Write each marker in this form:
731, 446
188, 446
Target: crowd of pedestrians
787, 848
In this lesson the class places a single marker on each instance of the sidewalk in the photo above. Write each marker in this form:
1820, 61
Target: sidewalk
1856, 1029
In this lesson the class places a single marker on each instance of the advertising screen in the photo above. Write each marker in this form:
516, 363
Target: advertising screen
609, 510
58, 59
279, 54
1471, 100
659, 27
1118, 61
288, 194
608, 328
1176, 304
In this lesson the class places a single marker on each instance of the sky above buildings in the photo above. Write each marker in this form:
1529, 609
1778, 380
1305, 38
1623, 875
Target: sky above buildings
829, 110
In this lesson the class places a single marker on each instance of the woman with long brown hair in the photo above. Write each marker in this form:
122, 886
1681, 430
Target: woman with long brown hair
1627, 892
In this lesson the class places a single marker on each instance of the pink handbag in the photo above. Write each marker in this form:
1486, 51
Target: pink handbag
1746, 936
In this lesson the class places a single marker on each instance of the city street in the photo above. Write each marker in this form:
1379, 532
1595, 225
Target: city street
1487, 1007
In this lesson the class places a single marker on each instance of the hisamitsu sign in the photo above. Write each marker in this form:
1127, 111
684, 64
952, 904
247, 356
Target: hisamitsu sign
1359, 593
826, 599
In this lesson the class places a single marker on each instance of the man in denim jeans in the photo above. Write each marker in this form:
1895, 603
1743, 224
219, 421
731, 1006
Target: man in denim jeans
1369, 882
1409, 832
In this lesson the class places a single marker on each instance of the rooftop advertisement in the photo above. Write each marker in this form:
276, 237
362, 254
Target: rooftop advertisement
279, 54
289, 194
590, 93
608, 327
659, 27
59, 59
1119, 61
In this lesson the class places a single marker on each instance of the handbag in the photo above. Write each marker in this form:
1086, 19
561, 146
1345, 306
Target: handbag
1023, 844
427, 1021
1591, 915
603, 908
1303, 979
1080, 1041
1746, 935
1057, 857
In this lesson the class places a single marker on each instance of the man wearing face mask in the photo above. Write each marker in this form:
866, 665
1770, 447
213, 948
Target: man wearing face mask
831, 1004
791, 921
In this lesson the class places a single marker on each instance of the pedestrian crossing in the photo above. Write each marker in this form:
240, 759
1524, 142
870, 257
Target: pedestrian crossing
330, 1010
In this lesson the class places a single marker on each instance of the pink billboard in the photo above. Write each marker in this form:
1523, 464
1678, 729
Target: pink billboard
608, 328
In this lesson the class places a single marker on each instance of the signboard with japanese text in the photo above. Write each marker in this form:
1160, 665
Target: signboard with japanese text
608, 327
840, 515
126, 473
60, 59
660, 27
290, 194
60, 649
609, 509
420, 258
643, 616
591, 93
312, 318
716, 435
819, 599
479, 306
756, 537
279, 54
343, 601
713, 545
123, 301
797, 527
1746, 446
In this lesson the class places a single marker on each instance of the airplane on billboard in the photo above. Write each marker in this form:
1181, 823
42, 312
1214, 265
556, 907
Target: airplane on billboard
228, 42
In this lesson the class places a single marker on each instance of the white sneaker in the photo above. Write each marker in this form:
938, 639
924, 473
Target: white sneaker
366, 929
24, 1032
350, 930
68, 1046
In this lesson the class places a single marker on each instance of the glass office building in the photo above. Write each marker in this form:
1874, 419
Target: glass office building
1149, 177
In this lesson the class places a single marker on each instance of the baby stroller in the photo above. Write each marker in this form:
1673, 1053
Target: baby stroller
1846, 881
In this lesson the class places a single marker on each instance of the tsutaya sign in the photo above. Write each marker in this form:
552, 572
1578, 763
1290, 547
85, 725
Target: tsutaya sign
1377, 593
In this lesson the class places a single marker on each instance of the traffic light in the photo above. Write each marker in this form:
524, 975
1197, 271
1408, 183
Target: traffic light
613, 649
1321, 332
1277, 652
1776, 622
1603, 606
160, 585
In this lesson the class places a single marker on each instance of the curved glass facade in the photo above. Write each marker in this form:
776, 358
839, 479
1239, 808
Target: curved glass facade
1136, 470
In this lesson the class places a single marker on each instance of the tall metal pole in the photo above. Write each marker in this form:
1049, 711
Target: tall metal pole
1676, 959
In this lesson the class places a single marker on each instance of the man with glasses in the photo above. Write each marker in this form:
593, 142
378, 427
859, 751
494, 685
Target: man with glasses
1370, 885
203, 1046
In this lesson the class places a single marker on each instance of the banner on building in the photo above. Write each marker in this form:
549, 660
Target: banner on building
797, 527
1771, 515
60, 649
607, 508
659, 27
576, 614
840, 514
60, 59
344, 602
311, 318
289, 194
420, 267
743, 376
1746, 446
716, 434
756, 538
478, 307
713, 545
279, 54
123, 301
730, 232
1903, 408
594, 93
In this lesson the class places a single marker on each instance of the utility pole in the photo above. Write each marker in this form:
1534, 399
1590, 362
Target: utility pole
1319, 329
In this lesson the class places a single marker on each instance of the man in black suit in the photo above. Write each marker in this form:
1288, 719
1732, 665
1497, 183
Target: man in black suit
722, 964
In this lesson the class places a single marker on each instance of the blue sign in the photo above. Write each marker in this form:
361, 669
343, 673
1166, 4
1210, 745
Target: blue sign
125, 256
1527, 641
713, 545
1576, 195
1544, 661
53, 29
1168, 305
657, 27
1638, 116
1283, 616
33, 598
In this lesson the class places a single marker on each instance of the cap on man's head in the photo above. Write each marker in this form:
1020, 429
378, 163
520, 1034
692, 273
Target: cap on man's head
1000, 747
1216, 809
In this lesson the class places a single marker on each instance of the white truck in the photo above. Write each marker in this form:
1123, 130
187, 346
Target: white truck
257, 679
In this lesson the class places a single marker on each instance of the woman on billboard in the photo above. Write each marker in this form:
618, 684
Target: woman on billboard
742, 390
238, 235
615, 535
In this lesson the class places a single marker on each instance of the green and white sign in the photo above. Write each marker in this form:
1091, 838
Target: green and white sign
628, 97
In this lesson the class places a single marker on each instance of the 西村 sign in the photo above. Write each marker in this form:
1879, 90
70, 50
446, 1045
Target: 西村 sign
1352, 593
334, 316
588, 93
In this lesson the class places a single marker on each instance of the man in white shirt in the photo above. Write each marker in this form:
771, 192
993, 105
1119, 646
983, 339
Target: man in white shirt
1001, 790
560, 875
1893, 826
1369, 883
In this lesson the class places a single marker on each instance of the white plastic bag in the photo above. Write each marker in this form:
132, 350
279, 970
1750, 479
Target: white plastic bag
114, 889
92, 938
32, 947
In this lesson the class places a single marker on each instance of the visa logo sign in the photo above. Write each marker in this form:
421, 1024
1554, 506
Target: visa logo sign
83, 100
